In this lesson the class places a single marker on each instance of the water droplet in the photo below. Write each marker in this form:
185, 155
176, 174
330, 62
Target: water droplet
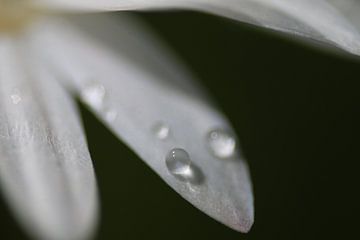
161, 131
16, 96
111, 115
222, 143
94, 95
179, 164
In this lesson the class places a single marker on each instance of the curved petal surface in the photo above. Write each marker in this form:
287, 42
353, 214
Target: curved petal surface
330, 21
45, 168
136, 88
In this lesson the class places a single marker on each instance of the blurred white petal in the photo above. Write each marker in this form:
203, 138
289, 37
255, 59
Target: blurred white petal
332, 21
45, 168
151, 103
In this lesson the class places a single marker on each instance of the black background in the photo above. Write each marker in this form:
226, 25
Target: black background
295, 110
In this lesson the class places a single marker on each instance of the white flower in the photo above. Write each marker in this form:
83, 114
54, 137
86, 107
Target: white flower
139, 90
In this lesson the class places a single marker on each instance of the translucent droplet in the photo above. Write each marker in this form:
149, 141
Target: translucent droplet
94, 95
179, 164
161, 131
222, 143
15, 98
111, 115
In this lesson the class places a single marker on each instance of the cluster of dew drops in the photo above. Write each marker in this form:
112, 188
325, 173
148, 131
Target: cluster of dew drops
222, 143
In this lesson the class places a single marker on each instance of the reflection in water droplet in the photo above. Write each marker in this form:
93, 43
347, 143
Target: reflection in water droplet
179, 164
94, 95
222, 143
161, 131
111, 115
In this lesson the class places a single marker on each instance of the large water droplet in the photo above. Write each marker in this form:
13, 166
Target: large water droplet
94, 95
161, 130
179, 164
222, 143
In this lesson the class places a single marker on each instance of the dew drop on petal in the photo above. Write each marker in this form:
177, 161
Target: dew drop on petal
161, 130
16, 97
111, 115
93, 95
179, 164
222, 143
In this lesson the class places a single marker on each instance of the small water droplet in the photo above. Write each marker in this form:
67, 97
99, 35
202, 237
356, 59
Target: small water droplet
16, 96
179, 164
222, 143
94, 95
111, 115
161, 131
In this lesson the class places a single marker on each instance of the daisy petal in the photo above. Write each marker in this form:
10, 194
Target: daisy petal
152, 104
45, 169
331, 21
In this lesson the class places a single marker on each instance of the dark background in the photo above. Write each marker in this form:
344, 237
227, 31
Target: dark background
296, 111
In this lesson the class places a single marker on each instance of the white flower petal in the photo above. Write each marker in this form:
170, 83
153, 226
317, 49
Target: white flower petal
45, 168
150, 102
332, 21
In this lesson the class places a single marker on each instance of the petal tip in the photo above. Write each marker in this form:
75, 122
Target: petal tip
243, 224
